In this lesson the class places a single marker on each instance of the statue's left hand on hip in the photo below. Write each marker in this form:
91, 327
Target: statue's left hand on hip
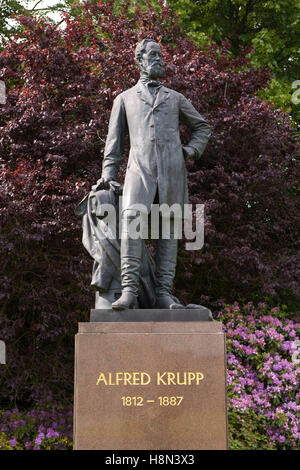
189, 152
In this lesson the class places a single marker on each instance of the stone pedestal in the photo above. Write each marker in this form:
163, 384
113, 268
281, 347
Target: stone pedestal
150, 385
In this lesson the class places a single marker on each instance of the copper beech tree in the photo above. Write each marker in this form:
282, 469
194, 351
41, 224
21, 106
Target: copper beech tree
60, 87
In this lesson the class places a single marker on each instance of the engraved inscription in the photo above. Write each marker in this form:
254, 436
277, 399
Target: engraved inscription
144, 378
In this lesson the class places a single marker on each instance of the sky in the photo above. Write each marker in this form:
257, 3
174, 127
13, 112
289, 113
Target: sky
42, 4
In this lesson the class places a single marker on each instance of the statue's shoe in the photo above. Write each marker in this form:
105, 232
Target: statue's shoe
127, 300
167, 301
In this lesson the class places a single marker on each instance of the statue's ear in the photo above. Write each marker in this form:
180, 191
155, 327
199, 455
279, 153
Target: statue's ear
138, 60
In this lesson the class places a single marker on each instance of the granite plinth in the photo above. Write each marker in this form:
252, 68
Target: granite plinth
150, 386
151, 315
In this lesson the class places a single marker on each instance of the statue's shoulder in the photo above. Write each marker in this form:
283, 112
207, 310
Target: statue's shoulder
128, 92
174, 93
170, 90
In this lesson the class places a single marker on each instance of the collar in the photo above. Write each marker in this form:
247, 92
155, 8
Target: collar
150, 82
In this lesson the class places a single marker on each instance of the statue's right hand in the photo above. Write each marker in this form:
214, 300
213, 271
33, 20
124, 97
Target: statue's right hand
102, 183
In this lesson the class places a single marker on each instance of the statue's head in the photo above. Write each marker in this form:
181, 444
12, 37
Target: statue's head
148, 57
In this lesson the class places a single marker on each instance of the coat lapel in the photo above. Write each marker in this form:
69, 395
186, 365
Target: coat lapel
145, 95
161, 97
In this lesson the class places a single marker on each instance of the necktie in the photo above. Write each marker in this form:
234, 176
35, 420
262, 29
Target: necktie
150, 82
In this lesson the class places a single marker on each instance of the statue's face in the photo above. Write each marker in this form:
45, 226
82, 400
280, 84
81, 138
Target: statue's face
151, 62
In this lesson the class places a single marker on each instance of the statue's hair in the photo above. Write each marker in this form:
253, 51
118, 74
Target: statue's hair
141, 47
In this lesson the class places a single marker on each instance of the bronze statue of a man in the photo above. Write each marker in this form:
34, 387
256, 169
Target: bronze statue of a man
151, 114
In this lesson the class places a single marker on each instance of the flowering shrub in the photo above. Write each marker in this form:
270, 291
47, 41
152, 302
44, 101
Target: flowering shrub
36, 430
262, 377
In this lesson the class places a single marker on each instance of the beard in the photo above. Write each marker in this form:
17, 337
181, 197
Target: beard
155, 71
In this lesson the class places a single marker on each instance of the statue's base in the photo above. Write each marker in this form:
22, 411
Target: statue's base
151, 315
150, 385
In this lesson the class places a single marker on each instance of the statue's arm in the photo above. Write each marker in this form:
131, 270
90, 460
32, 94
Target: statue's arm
201, 130
114, 142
